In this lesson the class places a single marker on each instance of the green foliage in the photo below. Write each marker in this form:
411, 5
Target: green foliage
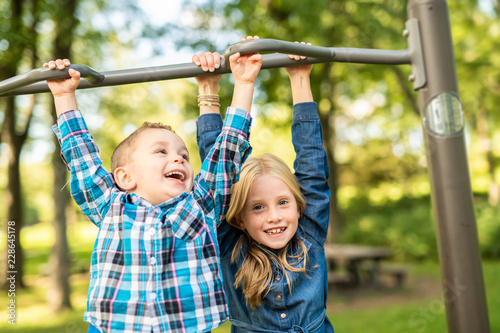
488, 225
406, 226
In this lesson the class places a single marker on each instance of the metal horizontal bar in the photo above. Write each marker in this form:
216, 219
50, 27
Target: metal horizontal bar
186, 70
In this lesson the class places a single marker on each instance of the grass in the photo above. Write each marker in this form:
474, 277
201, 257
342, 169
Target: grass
415, 308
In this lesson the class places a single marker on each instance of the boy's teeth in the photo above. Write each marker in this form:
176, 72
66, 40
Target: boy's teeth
176, 173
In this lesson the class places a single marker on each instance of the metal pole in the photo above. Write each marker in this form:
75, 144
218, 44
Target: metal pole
463, 286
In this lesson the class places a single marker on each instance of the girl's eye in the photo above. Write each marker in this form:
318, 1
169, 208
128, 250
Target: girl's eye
258, 207
282, 202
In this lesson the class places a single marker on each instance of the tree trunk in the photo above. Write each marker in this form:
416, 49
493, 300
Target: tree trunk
13, 198
336, 217
60, 259
14, 138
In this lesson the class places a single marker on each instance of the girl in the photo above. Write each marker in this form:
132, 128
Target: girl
272, 244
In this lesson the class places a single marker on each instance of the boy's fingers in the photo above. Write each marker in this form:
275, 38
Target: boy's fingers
60, 64
74, 73
196, 60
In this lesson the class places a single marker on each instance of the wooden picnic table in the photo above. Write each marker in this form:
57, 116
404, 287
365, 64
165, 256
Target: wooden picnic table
351, 258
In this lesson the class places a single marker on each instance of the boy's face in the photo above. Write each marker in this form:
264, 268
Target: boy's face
160, 166
270, 214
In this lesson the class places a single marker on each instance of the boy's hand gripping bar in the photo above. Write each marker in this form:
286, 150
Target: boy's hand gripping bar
45, 73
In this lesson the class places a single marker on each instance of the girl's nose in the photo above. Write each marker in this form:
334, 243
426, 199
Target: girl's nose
274, 216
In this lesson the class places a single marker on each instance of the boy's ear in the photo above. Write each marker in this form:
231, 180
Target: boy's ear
124, 179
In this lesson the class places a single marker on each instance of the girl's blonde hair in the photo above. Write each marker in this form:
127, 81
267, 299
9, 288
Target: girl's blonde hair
255, 274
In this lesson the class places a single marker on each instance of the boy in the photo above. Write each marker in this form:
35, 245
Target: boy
154, 265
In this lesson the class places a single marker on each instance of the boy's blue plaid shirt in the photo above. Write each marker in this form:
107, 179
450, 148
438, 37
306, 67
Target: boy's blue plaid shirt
154, 268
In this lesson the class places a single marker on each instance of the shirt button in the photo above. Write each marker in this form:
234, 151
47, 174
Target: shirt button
152, 231
283, 315
152, 296
278, 297
277, 278
152, 260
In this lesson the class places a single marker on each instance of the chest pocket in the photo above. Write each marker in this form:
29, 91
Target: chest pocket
296, 255
187, 221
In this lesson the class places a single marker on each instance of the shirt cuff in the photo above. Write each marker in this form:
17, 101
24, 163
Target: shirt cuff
306, 111
238, 120
71, 123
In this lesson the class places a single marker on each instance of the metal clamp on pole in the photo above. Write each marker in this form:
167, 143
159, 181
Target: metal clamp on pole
412, 32
45, 73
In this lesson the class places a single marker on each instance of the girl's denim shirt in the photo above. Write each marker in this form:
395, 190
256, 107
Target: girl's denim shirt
302, 310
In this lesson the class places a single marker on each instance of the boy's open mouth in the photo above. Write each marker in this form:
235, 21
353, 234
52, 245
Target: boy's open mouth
275, 230
176, 175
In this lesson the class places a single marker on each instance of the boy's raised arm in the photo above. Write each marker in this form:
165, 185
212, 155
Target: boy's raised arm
78, 149
63, 89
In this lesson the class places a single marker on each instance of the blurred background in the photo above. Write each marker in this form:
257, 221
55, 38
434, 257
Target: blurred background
369, 113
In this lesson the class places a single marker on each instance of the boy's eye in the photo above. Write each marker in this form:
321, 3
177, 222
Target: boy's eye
185, 157
161, 151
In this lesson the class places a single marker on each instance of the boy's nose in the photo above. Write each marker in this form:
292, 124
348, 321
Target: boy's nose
179, 159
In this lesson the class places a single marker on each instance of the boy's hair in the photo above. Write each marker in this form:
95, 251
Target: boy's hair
122, 152
256, 274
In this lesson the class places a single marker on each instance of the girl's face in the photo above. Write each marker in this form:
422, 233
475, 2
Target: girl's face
270, 215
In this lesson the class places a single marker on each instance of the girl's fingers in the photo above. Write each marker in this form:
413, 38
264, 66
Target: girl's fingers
203, 61
255, 57
217, 59
297, 57
249, 38
234, 57
210, 61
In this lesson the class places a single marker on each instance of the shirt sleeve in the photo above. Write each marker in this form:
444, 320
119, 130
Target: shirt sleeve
311, 169
90, 182
208, 128
221, 168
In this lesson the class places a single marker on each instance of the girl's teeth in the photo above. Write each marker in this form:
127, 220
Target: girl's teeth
275, 231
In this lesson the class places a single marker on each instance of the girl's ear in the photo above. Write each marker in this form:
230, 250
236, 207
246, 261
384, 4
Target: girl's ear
124, 179
240, 222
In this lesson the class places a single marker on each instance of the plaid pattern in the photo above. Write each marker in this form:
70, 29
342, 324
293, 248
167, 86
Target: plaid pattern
154, 268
